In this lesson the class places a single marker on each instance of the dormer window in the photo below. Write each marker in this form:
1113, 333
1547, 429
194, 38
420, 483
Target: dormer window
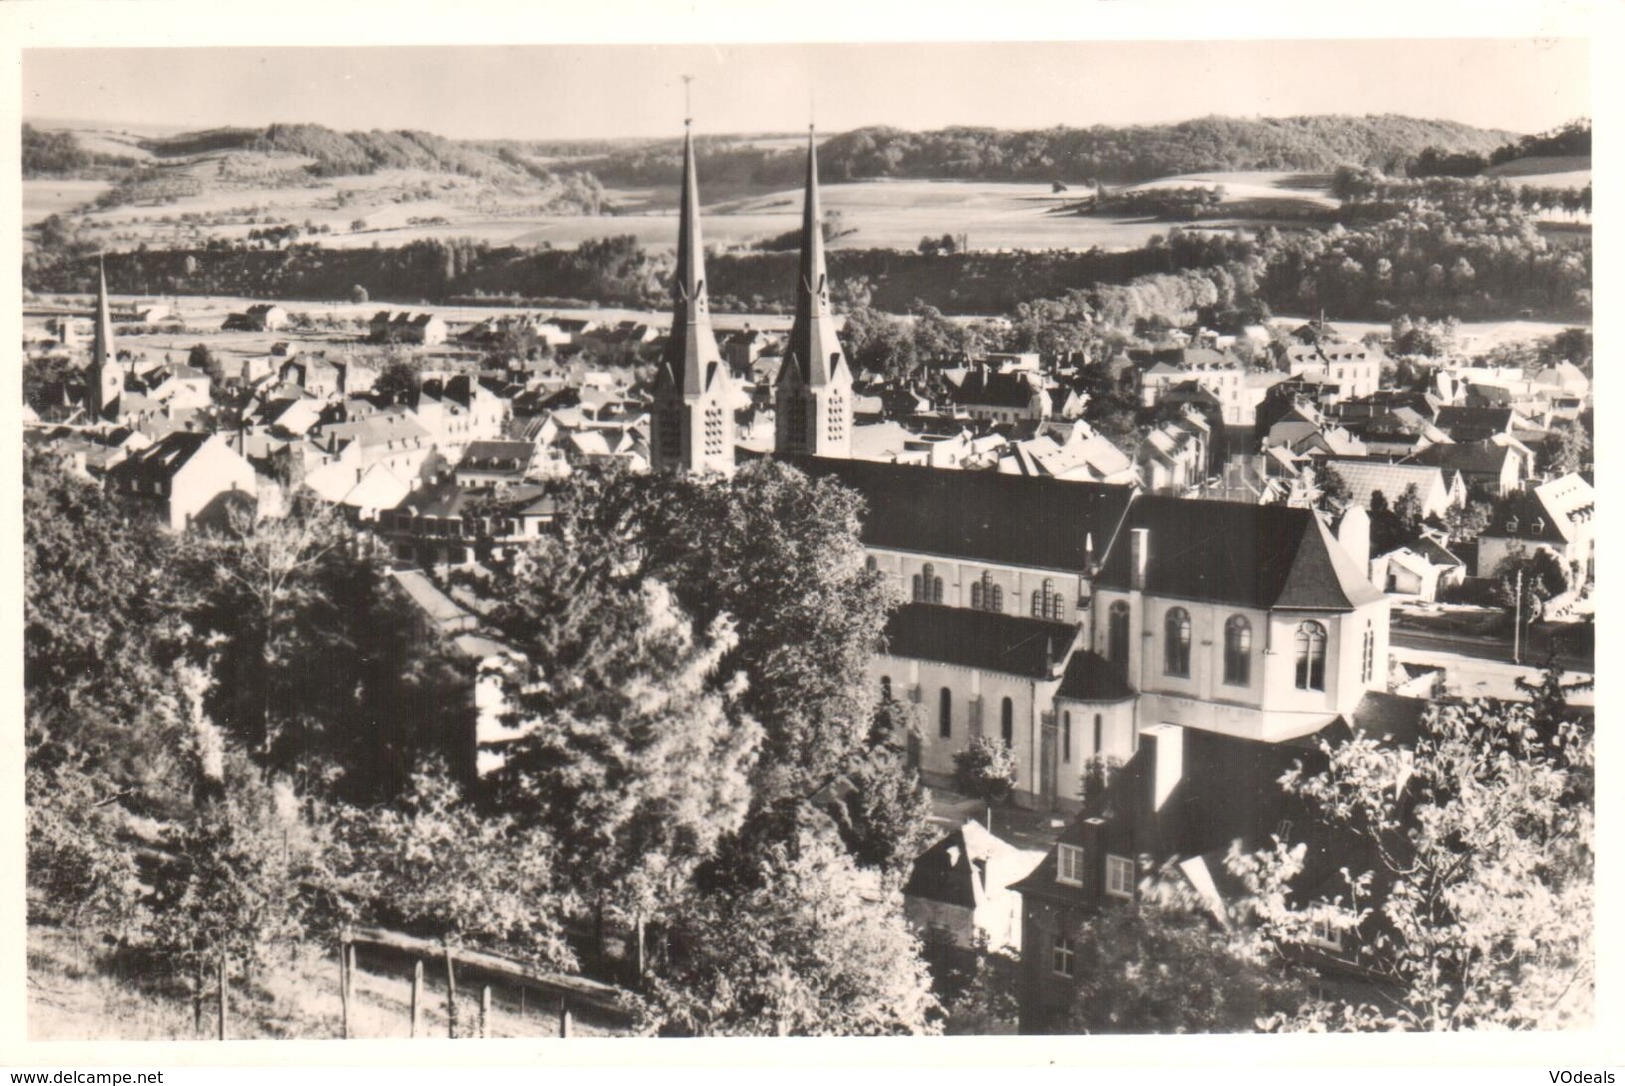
1069, 865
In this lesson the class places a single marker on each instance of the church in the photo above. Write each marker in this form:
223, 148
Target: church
1068, 619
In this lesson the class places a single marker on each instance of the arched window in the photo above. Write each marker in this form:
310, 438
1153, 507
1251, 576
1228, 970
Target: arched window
1066, 737
1047, 602
927, 585
1238, 650
1099, 733
1311, 646
1368, 654
885, 688
1117, 634
1007, 722
985, 595
945, 714
870, 564
1176, 654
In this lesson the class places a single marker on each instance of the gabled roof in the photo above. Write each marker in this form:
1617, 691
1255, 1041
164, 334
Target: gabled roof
164, 458
1091, 677
983, 516
1470, 423
986, 388
1366, 476
1473, 457
1263, 556
988, 641
953, 871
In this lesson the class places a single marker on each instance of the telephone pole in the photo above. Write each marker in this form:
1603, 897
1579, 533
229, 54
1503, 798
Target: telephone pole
1517, 621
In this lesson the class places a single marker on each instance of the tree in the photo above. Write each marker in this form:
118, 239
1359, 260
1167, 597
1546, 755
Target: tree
1467, 522
885, 817
1151, 968
631, 759
804, 952
358, 293
1473, 905
987, 770
1529, 577
400, 375
1564, 451
1378, 503
80, 873
435, 866
1334, 493
1408, 512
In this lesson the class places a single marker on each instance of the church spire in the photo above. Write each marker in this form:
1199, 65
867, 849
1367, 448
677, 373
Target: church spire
691, 352
813, 346
104, 378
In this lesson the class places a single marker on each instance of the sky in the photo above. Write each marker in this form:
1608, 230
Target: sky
591, 91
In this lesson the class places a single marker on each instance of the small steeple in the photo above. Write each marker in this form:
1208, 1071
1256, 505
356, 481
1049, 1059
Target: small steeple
813, 345
104, 378
102, 351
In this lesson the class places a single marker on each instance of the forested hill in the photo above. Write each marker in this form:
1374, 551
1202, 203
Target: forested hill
1134, 153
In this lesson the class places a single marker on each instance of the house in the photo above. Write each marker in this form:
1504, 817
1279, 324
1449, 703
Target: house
491, 463
1080, 453
1487, 467
1418, 570
1002, 396
1173, 811
453, 525
1467, 424
1555, 516
185, 478
420, 329
1355, 368
957, 895
1368, 476
266, 317
1174, 456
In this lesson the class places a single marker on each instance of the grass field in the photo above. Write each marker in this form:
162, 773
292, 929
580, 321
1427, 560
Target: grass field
1571, 171
44, 197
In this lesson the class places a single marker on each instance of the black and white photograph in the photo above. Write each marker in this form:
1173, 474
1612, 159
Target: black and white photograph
820, 537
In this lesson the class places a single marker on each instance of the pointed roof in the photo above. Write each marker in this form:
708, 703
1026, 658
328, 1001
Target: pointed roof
692, 358
102, 353
813, 343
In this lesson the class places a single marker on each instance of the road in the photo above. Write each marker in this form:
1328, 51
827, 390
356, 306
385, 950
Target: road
1475, 677
1482, 648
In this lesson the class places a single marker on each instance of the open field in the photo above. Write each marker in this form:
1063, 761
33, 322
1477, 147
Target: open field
1559, 171
240, 193
1476, 336
44, 197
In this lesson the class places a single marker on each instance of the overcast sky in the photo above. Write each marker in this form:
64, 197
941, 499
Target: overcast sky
1525, 85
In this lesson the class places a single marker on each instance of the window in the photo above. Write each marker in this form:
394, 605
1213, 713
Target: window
1063, 955
1119, 876
1311, 648
1117, 634
927, 585
1238, 649
1007, 722
1177, 643
1069, 865
870, 564
1047, 603
985, 595
1368, 654
945, 714
1323, 932
1098, 732
1066, 737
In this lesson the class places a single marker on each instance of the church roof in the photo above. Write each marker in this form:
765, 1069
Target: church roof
979, 515
1262, 556
985, 640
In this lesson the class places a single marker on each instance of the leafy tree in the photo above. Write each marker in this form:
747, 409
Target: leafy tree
400, 375
885, 817
987, 770
1408, 512
631, 759
1473, 904
1467, 522
433, 865
1565, 449
1541, 576
985, 1002
1150, 968
1333, 490
1378, 503
804, 952
80, 873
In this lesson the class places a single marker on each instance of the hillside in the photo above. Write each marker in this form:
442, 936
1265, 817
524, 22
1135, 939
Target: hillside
1112, 154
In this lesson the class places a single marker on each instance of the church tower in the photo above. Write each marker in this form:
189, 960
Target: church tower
104, 377
813, 408
693, 425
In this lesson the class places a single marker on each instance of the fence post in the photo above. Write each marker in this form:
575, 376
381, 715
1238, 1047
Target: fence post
349, 975
417, 995
451, 996
221, 996
485, 1011
564, 1016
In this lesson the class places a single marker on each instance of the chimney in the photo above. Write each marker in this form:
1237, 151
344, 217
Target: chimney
1093, 843
1165, 760
1139, 554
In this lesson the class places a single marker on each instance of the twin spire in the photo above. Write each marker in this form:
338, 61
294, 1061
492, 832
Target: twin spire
813, 348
